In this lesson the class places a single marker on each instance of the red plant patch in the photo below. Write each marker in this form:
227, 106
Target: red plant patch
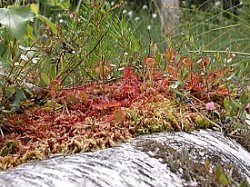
99, 115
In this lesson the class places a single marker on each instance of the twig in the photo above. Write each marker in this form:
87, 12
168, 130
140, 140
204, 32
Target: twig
150, 41
182, 123
233, 133
235, 136
1, 132
197, 99
220, 28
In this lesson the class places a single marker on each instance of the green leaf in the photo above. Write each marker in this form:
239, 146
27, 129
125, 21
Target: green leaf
223, 180
218, 171
2, 49
9, 91
232, 106
221, 176
47, 22
15, 19
184, 73
65, 4
20, 94
235, 104
34, 8
243, 98
45, 78
30, 33
244, 183
19, 97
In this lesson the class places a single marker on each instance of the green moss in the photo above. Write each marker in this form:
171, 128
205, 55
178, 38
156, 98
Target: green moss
133, 114
10, 147
152, 117
201, 122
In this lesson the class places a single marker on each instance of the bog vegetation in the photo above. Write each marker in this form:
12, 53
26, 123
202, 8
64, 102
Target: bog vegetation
78, 78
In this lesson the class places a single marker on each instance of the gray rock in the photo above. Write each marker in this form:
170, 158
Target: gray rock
152, 160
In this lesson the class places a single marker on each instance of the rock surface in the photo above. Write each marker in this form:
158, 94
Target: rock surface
164, 159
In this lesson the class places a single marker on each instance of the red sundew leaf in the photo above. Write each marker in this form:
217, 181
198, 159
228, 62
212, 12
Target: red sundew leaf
215, 76
103, 69
165, 83
211, 75
157, 75
50, 117
130, 87
220, 72
130, 91
54, 88
185, 61
194, 85
105, 106
150, 62
129, 76
225, 71
195, 78
172, 71
210, 78
127, 72
222, 90
40, 133
203, 62
170, 54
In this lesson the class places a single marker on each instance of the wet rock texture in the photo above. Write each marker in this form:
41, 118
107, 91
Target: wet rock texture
164, 159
